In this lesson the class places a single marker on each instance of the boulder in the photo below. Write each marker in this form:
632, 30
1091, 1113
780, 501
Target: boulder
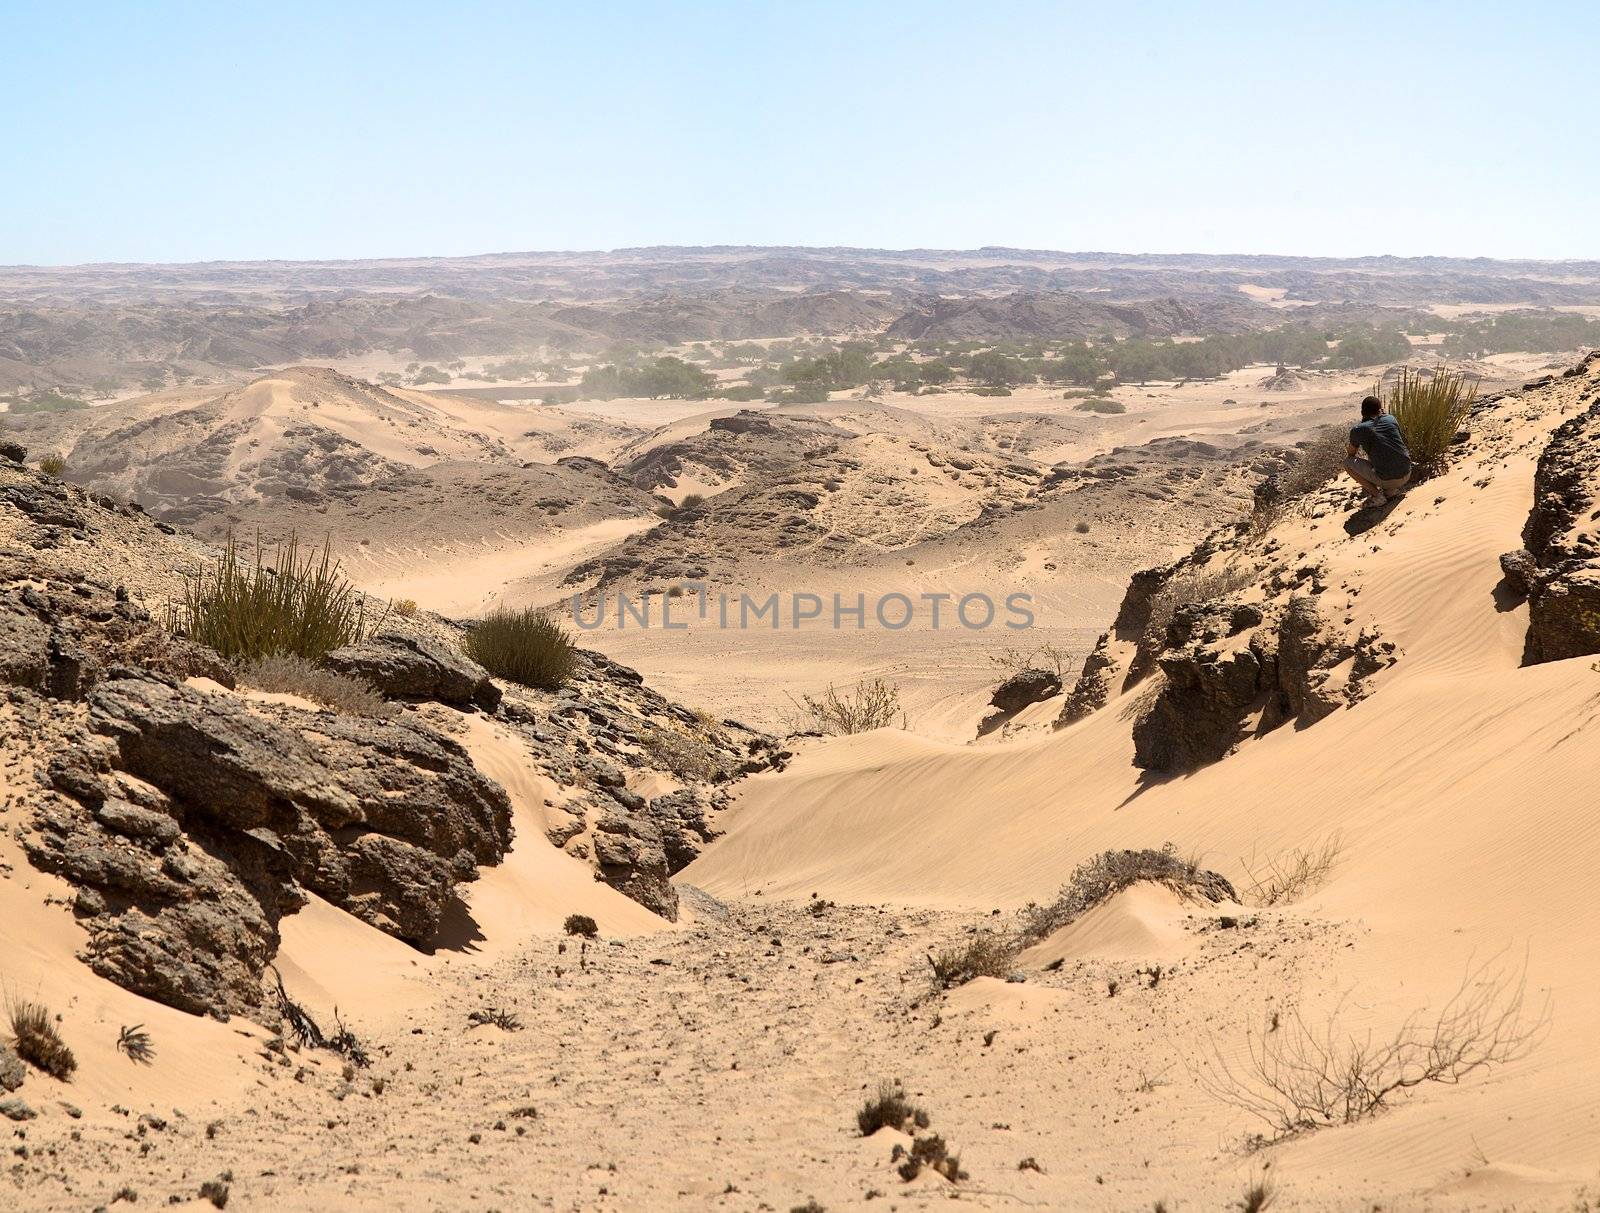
1024, 688
13, 451
408, 667
1518, 570
12, 1071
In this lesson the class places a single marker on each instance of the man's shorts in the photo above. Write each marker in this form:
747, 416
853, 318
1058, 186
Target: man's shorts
1362, 470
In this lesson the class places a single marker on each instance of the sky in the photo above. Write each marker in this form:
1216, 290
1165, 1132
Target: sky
234, 131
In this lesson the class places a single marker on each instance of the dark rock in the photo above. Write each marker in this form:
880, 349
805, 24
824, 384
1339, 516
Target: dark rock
1024, 688
1519, 569
631, 856
13, 451
1562, 535
406, 667
1092, 691
16, 1109
12, 1071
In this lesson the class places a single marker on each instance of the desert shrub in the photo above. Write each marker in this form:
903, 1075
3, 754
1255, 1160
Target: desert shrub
36, 1041
1281, 879
986, 954
1297, 1078
42, 402
740, 392
684, 753
216, 1190
430, 374
1258, 1196
295, 605
525, 646
292, 675
928, 1153
135, 1043
1430, 412
692, 501
1082, 528
1101, 404
806, 393
406, 608
581, 924
1320, 460
52, 465
991, 390
889, 1109
1107, 874
871, 705
1042, 657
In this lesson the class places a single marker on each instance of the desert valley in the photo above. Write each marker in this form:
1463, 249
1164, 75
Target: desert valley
393, 816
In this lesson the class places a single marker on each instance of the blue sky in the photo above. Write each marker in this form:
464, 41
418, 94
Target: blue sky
182, 132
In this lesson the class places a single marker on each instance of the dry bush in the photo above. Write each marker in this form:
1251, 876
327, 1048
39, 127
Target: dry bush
495, 1017
1319, 462
36, 1041
404, 607
1195, 585
52, 465
291, 675
986, 954
297, 605
526, 646
682, 752
927, 1153
1290, 876
581, 924
1258, 1195
1042, 657
1299, 1079
871, 705
890, 1109
1430, 411
1107, 874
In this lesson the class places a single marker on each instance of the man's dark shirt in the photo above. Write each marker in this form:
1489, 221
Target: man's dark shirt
1385, 446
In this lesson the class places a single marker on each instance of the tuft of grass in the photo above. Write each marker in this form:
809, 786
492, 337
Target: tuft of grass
1257, 1196
36, 1041
404, 607
581, 924
52, 465
297, 604
928, 1153
525, 646
890, 1109
495, 1017
1107, 874
986, 954
682, 752
293, 675
1430, 412
135, 1042
216, 1190
871, 705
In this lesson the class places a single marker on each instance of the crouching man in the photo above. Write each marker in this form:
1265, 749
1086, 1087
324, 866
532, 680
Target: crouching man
1379, 461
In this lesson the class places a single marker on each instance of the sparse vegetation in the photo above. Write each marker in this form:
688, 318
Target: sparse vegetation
525, 646
1191, 586
1107, 874
495, 1017
52, 465
871, 705
1289, 877
36, 1040
1319, 461
1101, 404
928, 1153
986, 954
684, 753
406, 608
581, 924
292, 675
890, 1109
297, 605
1430, 411
1299, 1079
1042, 657
1258, 1196
135, 1043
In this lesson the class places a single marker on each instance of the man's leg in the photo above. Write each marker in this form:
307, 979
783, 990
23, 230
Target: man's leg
1361, 472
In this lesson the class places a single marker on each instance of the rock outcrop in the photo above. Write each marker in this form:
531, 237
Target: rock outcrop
410, 667
1562, 538
1234, 669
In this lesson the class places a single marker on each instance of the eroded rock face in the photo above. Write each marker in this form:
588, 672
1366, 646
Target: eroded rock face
1562, 536
192, 823
408, 667
60, 632
1235, 668
1023, 688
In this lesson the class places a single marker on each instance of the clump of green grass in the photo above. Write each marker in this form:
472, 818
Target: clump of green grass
36, 1041
890, 1109
525, 646
1430, 412
986, 954
248, 610
52, 465
292, 675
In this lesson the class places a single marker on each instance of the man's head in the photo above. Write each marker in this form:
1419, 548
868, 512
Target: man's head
1370, 408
